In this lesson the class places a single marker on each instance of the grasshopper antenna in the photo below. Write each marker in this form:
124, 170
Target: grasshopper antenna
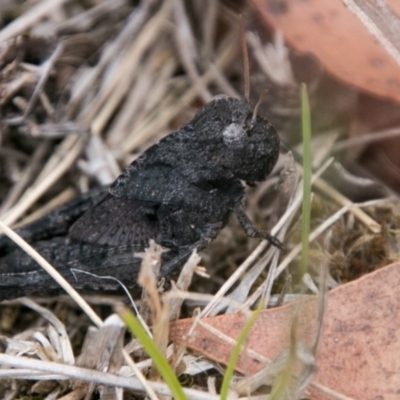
245, 59
260, 100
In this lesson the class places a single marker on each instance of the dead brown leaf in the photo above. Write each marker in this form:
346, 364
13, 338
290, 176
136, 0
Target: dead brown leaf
359, 346
340, 41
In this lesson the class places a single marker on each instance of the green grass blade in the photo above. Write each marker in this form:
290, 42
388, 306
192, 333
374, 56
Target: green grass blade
282, 385
236, 352
306, 212
151, 349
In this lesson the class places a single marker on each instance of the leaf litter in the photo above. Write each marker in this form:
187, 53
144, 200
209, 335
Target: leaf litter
85, 88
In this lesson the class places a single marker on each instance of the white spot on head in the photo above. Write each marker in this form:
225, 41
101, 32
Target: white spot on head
220, 97
234, 136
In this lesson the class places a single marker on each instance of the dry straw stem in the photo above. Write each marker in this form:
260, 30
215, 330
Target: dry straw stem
84, 95
370, 223
335, 195
182, 284
313, 235
62, 339
27, 175
187, 49
154, 73
157, 308
110, 63
246, 64
57, 201
111, 97
227, 339
151, 305
45, 70
35, 192
365, 139
209, 28
28, 19
331, 392
102, 378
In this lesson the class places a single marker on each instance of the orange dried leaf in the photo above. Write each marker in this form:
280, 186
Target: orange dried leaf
360, 344
338, 39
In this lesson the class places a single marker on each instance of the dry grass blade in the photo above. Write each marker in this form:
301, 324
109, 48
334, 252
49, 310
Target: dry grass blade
20, 186
89, 375
183, 282
344, 201
31, 17
65, 348
187, 49
25, 203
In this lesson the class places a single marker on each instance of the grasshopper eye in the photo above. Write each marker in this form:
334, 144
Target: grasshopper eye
234, 136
